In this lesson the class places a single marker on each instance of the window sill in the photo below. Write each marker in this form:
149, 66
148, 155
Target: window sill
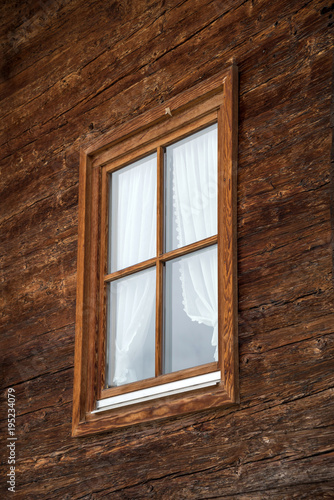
159, 391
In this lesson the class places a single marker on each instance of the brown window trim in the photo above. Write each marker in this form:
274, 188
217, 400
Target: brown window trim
215, 100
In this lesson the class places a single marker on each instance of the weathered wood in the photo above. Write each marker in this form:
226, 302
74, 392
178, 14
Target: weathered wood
256, 455
36, 356
44, 281
137, 89
84, 68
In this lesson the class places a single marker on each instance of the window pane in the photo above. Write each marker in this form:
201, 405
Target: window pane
132, 226
131, 328
191, 189
191, 313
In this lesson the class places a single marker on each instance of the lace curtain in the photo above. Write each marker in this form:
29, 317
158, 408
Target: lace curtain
194, 177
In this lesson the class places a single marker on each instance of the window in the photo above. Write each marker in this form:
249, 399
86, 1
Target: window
156, 327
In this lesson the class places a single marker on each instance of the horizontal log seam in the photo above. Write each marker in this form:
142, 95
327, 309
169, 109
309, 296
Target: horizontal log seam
209, 470
61, 370
58, 405
249, 197
275, 303
145, 27
264, 490
286, 401
312, 337
39, 200
23, 344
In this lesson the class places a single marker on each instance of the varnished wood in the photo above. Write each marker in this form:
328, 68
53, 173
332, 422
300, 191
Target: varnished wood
164, 257
172, 128
159, 318
159, 304
130, 270
187, 121
80, 375
227, 224
162, 379
197, 245
158, 137
171, 406
92, 303
177, 104
104, 223
160, 201
85, 375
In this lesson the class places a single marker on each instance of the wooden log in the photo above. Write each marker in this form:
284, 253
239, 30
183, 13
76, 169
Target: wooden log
68, 130
182, 48
270, 441
44, 354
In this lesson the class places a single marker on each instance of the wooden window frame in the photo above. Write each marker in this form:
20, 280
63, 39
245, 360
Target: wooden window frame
214, 100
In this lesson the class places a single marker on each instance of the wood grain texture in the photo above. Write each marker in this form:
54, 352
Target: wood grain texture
103, 267
164, 379
227, 232
159, 311
85, 68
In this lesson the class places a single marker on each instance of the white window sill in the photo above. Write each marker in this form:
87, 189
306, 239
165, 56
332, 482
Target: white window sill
159, 391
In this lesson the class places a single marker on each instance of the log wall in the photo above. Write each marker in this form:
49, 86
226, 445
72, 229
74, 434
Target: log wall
72, 70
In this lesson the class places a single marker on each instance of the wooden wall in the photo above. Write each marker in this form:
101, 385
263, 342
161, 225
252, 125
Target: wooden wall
73, 69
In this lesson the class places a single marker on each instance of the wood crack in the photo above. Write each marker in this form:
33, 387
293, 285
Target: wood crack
53, 330
154, 479
268, 489
284, 302
318, 454
119, 80
40, 375
86, 99
287, 401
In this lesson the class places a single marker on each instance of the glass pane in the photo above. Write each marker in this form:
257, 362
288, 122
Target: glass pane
191, 189
191, 311
132, 226
131, 329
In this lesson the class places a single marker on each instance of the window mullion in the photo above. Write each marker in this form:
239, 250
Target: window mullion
198, 245
103, 269
159, 268
130, 270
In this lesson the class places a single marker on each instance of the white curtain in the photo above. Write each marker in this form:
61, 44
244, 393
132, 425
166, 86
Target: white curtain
132, 299
134, 305
195, 209
133, 209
